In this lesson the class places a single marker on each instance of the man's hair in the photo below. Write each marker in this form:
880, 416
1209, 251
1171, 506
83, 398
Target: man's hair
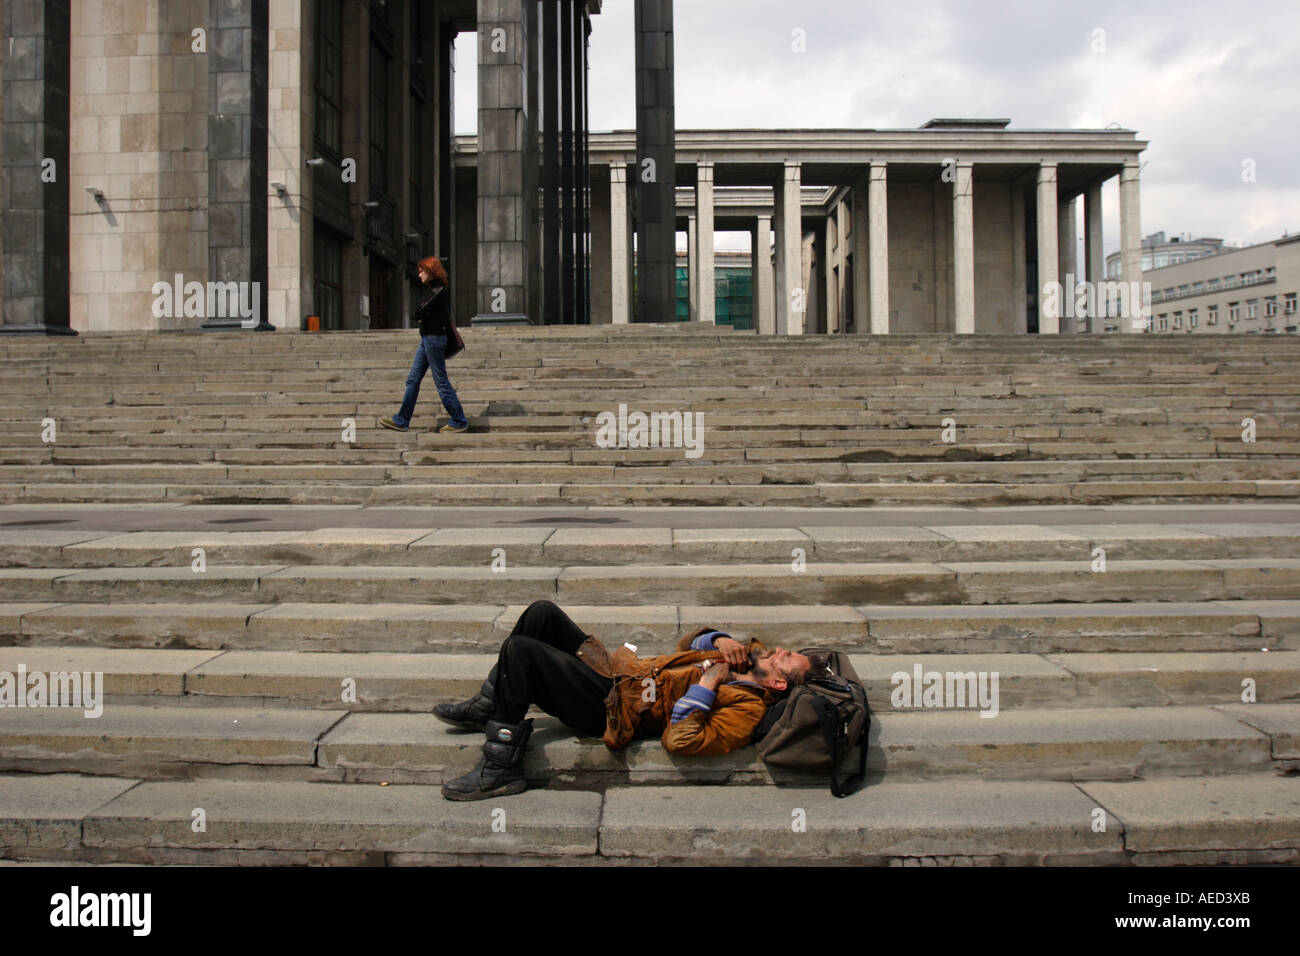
791, 680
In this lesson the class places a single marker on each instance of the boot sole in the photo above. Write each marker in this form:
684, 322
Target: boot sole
462, 725
518, 786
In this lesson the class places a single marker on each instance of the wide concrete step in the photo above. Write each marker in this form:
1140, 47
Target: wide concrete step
550, 546
268, 743
890, 583
391, 682
822, 494
1229, 819
1235, 475
382, 626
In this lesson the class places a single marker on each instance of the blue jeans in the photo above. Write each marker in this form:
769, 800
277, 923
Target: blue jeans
430, 355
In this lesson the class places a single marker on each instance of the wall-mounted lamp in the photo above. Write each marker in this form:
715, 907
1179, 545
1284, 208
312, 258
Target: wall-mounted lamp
315, 161
96, 194
370, 204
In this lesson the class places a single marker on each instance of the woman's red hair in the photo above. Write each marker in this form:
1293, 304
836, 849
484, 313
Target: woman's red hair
434, 266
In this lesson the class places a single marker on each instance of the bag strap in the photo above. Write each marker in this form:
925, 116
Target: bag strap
832, 735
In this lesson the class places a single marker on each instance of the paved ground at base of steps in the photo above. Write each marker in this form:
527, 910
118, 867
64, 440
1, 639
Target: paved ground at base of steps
184, 517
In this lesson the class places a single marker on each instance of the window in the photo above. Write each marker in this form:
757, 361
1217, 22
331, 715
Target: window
1184, 290
1289, 306
1176, 258
329, 76
1192, 318
328, 255
1162, 260
1216, 283
1164, 321
1146, 264
1213, 315
1178, 320
1234, 311
1198, 286
1252, 308
378, 119
1270, 306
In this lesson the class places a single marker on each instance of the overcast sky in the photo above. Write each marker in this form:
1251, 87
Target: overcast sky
1209, 84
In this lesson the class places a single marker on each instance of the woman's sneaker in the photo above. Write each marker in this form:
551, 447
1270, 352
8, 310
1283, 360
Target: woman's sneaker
389, 423
452, 428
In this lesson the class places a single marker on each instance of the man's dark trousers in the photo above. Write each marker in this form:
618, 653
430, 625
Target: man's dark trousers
538, 665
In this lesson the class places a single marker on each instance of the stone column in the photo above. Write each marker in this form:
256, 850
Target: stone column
963, 251
1048, 232
238, 44
692, 269
762, 278
1019, 264
506, 157
704, 234
789, 254
552, 285
861, 256
1067, 258
878, 245
37, 46
656, 284
1130, 244
1095, 260
620, 250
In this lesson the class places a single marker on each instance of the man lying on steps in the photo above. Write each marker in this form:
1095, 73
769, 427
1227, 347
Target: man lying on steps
707, 698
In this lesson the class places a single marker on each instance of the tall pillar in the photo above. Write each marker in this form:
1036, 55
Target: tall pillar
656, 272
568, 167
861, 255
878, 245
620, 251
37, 44
1019, 256
1067, 250
552, 284
963, 251
705, 307
1048, 232
1130, 244
1095, 260
692, 268
506, 157
762, 278
791, 308
238, 58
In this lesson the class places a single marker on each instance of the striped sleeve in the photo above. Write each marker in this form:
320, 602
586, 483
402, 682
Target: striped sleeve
696, 700
705, 641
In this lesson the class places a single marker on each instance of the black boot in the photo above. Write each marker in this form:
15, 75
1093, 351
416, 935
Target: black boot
500, 770
471, 714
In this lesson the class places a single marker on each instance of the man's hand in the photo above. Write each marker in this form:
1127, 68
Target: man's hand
732, 651
715, 674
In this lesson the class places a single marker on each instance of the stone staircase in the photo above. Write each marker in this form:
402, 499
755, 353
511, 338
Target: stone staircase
284, 689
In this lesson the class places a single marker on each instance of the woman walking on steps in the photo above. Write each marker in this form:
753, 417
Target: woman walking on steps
435, 325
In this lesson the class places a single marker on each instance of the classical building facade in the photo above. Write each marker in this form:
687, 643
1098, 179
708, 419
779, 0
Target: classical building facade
299, 156
958, 226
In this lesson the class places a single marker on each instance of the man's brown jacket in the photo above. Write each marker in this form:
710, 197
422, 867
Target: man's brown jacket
645, 688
